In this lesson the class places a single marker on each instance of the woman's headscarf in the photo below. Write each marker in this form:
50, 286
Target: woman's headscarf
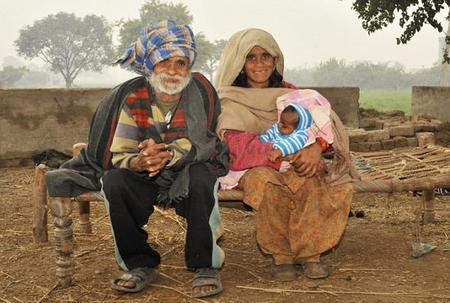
236, 50
157, 43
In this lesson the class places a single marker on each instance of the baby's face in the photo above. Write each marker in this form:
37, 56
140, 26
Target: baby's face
288, 122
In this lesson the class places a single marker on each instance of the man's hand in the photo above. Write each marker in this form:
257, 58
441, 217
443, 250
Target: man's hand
308, 161
151, 158
275, 154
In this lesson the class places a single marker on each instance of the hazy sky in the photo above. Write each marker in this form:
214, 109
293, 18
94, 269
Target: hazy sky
308, 31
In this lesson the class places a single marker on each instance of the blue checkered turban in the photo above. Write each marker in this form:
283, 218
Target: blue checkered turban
157, 43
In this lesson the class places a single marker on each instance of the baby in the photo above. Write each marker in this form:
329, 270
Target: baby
290, 134
304, 119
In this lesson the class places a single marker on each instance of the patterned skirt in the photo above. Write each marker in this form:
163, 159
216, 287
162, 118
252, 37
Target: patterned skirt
297, 218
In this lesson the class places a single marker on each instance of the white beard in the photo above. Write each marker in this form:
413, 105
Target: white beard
157, 82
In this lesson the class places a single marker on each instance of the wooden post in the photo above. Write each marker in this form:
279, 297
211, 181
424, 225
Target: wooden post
428, 206
85, 224
39, 201
61, 209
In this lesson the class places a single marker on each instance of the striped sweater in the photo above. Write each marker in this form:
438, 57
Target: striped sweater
292, 143
140, 118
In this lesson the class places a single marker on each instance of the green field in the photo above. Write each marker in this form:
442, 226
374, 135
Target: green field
386, 100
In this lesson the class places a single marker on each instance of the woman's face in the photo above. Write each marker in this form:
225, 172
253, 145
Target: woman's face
258, 67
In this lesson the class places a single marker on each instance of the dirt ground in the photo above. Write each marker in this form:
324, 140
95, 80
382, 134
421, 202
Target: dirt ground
373, 262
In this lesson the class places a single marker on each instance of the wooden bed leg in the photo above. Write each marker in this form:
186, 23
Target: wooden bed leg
61, 209
39, 201
428, 206
85, 223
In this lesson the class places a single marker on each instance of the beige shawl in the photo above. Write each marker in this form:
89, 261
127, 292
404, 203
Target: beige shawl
254, 110
236, 50
248, 109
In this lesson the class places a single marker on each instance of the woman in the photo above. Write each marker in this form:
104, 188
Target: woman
300, 213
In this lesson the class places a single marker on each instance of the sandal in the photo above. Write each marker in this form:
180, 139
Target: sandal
141, 276
283, 272
315, 270
207, 277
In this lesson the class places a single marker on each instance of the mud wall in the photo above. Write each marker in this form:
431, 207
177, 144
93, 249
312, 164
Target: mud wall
432, 101
34, 120
344, 101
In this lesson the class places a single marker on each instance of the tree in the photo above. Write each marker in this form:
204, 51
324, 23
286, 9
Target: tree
150, 13
412, 16
9, 75
332, 72
211, 53
208, 54
446, 65
204, 49
68, 44
364, 74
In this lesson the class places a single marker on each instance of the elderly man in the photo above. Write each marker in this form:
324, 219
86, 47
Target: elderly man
165, 153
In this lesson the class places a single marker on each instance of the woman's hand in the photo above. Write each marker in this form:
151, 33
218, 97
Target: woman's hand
151, 158
307, 161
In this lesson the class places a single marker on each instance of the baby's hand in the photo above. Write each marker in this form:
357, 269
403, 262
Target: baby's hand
275, 155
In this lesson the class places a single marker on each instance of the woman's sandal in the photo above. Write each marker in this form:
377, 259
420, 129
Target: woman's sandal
283, 272
141, 276
206, 277
315, 270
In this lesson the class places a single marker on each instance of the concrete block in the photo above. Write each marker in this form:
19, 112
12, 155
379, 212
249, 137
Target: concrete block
375, 146
436, 123
354, 147
378, 135
367, 123
387, 144
403, 130
379, 124
412, 141
400, 141
358, 137
425, 138
423, 126
364, 146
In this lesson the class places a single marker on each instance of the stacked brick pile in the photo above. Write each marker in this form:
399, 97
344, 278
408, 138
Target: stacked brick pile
377, 134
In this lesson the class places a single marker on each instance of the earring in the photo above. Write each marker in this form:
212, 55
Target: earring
241, 72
